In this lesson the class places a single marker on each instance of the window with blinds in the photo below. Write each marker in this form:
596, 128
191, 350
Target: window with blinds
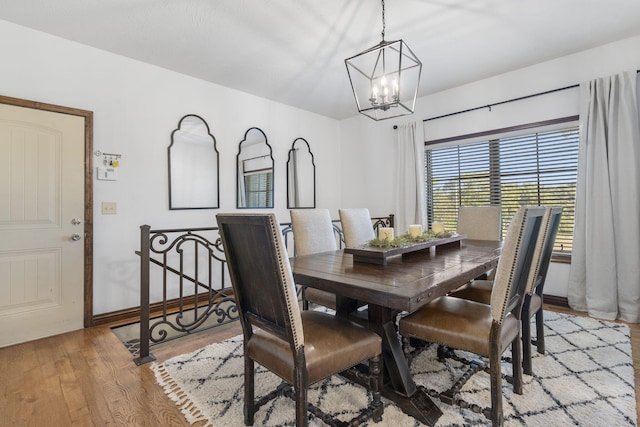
534, 169
258, 188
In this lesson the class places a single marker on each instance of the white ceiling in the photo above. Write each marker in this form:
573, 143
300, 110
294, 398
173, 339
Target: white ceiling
293, 51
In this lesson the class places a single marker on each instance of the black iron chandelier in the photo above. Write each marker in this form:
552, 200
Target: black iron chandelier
385, 78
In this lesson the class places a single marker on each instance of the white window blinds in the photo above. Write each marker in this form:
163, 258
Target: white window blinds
534, 169
258, 186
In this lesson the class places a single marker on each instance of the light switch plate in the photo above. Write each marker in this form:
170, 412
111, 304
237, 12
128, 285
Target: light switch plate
109, 208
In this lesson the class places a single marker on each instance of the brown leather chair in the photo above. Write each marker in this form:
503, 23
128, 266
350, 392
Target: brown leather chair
487, 330
302, 348
480, 290
313, 233
534, 301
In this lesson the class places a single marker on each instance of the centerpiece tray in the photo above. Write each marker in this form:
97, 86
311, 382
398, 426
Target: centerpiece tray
379, 255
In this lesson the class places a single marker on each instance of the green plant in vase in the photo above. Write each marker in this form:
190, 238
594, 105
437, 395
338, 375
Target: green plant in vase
406, 239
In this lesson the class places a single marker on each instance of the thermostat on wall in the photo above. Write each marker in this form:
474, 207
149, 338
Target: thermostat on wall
107, 173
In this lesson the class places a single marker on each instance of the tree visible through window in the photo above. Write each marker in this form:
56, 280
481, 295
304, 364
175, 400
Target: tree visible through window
537, 169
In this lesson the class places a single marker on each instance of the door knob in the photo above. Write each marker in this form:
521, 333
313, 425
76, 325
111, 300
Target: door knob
75, 237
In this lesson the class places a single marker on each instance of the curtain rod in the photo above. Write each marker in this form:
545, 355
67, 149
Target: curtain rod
502, 102
505, 102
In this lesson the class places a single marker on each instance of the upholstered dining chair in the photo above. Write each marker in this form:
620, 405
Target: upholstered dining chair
534, 301
302, 348
356, 226
313, 233
480, 223
480, 290
486, 330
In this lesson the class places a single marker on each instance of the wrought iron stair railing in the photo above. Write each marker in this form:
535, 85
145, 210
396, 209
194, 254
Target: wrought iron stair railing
183, 275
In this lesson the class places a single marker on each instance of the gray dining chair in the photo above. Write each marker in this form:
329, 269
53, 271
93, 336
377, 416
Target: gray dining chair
356, 226
480, 222
301, 347
484, 329
313, 233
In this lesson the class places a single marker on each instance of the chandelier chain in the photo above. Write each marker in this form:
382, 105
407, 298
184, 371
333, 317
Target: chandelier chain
383, 21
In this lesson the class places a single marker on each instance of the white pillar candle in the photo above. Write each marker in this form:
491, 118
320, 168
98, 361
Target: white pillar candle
415, 230
385, 233
437, 227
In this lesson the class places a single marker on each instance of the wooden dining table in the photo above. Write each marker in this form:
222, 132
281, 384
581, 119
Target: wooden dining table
403, 284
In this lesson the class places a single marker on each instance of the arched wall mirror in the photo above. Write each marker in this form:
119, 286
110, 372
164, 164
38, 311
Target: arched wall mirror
193, 166
301, 176
254, 171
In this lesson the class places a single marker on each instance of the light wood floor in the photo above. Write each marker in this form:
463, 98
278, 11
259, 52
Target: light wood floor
88, 378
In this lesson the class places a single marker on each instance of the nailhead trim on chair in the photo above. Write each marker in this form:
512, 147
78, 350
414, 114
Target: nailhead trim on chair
506, 268
290, 290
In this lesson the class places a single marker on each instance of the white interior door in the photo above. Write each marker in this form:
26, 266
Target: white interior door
41, 223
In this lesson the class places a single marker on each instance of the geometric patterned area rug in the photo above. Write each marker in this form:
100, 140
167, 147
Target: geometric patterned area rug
585, 378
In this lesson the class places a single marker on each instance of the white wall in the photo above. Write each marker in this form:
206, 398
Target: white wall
136, 107
371, 143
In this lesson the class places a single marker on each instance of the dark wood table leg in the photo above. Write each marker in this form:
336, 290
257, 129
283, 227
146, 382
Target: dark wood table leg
345, 306
401, 388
